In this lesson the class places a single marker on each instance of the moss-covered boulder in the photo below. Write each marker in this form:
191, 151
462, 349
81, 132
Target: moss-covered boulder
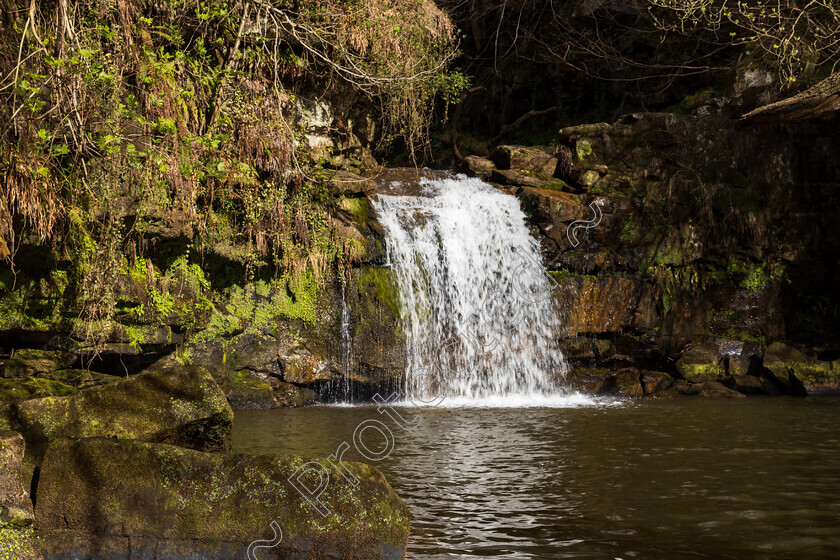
16, 513
17, 390
535, 159
103, 498
701, 362
781, 359
180, 405
78, 378
28, 362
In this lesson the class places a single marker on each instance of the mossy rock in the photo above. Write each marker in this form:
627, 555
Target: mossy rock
78, 378
527, 158
701, 363
781, 359
523, 178
17, 543
180, 405
204, 505
28, 362
716, 390
250, 390
17, 390
16, 515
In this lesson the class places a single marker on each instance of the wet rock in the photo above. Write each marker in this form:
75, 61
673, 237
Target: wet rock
16, 514
533, 159
581, 380
602, 304
144, 500
480, 167
781, 359
688, 388
251, 390
655, 382
577, 348
180, 405
628, 382
750, 385
520, 177
716, 390
701, 362
27, 362
738, 365
625, 382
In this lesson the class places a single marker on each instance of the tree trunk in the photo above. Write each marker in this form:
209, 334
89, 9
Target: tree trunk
813, 102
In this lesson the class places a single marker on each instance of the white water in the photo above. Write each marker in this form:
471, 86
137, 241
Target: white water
477, 306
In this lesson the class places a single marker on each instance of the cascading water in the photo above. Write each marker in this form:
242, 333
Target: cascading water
478, 312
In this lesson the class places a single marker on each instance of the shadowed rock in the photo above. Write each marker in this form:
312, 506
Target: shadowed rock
16, 513
114, 499
180, 405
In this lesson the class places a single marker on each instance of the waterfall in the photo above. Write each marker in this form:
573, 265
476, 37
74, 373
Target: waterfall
478, 312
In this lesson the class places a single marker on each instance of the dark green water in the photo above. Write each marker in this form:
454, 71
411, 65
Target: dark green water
689, 478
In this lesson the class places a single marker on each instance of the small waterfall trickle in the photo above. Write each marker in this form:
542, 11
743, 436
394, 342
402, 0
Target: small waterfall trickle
478, 312
345, 340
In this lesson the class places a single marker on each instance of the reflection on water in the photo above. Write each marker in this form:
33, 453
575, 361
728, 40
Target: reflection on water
654, 479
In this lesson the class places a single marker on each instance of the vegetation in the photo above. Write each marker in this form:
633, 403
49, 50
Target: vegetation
130, 130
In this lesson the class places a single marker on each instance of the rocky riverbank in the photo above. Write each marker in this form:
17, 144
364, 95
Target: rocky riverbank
139, 466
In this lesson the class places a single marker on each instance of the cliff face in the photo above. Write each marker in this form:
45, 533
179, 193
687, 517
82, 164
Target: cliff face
180, 172
668, 232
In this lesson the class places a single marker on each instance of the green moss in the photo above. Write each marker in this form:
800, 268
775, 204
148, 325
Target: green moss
16, 543
629, 230
182, 405
358, 207
380, 283
260, 305
583, 149
217, 496
16, 390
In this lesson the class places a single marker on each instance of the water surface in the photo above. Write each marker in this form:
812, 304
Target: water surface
758, 478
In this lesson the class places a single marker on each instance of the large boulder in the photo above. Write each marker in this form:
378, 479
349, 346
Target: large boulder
529, 158
16, 390
28, 362
701, 362
180, 405
16, 513
107, 498
79, 378
782, 359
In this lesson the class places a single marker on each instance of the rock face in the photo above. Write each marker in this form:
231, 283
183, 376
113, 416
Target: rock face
678, 233
120, 499
180, 405
298, 364
16, 513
